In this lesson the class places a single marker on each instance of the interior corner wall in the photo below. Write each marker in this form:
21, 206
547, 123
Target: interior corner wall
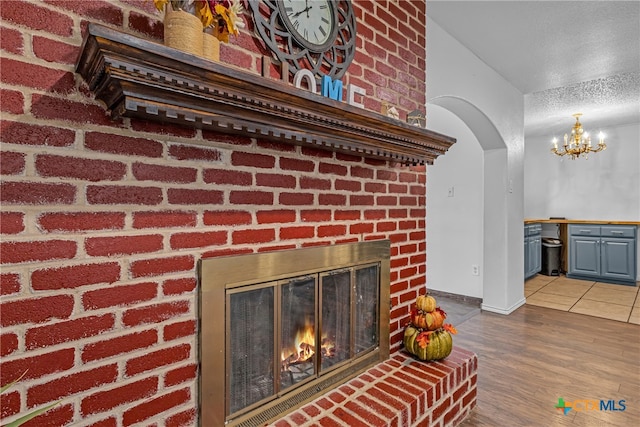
454, 203
453, 71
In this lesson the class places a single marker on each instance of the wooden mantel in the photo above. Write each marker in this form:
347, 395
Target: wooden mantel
139, 78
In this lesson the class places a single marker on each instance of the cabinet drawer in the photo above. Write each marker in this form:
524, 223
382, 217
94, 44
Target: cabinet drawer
532, 229
618, 231
584, 230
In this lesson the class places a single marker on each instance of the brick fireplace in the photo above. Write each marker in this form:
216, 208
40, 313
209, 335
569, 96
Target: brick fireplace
279, 328
104, 220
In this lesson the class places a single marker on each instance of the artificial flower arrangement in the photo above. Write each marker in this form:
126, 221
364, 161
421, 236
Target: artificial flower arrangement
222, 17
426, 336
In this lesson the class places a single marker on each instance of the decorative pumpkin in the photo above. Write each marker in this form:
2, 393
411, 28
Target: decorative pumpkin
418, 319
435, 319
427, 336
426, 303
430, 321
428, 345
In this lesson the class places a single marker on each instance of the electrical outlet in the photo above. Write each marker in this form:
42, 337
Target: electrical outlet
450, 192
475, 270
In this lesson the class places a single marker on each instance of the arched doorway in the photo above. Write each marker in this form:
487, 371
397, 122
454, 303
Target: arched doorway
463, 120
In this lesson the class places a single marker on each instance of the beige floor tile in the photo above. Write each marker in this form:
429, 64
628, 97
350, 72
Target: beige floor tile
569, 289
617, 302
602, 309
565, 279
529, 291
619, 288
558, 302
532, 287
611, 295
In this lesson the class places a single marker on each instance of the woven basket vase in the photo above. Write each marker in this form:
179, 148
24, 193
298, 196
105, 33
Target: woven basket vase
211, 46
183, 31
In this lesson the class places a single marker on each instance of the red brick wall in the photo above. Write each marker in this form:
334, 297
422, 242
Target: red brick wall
103, 221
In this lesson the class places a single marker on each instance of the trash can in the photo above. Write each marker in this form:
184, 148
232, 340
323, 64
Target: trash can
551, 249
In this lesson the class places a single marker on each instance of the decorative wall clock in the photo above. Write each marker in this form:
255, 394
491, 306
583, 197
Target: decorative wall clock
318, 35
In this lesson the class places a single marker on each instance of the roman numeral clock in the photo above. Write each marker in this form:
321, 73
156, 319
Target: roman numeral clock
318, 35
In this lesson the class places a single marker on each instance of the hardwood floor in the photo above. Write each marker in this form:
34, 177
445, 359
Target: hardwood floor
532, 357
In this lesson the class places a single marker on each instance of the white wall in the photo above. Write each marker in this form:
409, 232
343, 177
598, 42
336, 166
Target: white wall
454, 73
606, 186
455, 219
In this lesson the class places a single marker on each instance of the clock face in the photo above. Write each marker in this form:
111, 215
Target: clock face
315, 35
311, 22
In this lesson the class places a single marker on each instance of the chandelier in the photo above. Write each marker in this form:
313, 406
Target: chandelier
579, 142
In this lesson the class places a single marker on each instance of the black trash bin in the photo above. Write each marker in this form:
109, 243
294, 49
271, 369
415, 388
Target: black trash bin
551, 249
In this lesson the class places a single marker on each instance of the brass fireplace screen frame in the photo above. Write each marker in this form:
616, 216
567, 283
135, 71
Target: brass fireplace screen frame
220, 275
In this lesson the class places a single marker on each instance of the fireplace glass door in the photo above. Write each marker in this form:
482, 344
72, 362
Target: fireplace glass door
336, 318
250, 347
366, 309
298, 331
286, 333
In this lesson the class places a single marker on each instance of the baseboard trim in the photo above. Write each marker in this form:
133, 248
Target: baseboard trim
508, 310
457, 297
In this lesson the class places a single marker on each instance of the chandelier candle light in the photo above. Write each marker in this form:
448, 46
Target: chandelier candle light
579, 142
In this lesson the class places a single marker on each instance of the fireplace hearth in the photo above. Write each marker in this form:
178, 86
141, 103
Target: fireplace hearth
278, 329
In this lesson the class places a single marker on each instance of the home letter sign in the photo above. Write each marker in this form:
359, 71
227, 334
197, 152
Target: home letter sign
311, 80
331, 88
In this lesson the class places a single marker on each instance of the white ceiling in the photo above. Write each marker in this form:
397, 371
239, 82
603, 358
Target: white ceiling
564, 56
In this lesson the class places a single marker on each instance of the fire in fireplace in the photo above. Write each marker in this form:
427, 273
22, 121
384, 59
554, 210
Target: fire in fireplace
277, 329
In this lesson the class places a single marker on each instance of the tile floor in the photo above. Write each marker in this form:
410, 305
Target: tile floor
616, 302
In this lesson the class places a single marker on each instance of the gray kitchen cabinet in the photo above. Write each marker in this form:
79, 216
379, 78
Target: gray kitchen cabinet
584, 256
604, 253
532, 250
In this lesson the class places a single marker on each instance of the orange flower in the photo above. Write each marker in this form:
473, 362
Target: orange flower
204, 13
159, 4
225, 18
450, 328
423, 338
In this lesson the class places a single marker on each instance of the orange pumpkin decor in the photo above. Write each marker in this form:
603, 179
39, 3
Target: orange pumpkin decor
427, 336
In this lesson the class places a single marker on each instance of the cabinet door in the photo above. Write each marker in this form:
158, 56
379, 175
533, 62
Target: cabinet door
526, 257
534, 256
537, 259
584, 255
618, 258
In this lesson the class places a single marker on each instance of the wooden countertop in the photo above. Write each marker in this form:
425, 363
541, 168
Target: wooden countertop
578, 221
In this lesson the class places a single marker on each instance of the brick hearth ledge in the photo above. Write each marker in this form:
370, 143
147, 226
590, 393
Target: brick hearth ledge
399, 392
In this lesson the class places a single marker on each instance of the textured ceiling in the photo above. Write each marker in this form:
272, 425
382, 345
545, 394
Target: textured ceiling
564, 56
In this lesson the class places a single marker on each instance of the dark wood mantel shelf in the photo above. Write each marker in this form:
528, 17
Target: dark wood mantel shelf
140, 78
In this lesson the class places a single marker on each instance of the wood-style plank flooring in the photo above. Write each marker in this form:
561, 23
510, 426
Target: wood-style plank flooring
532, 357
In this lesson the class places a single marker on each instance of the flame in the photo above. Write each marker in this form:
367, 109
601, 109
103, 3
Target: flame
328, 347
305, 346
